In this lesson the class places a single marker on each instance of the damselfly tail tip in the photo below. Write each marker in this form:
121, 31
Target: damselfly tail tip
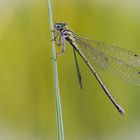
121, 111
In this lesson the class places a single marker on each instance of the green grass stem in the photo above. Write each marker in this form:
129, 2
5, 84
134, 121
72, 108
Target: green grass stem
59, 119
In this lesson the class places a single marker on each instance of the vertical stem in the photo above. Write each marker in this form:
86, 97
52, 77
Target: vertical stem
59, 119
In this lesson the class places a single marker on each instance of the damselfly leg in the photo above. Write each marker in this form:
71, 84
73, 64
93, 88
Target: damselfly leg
59, 40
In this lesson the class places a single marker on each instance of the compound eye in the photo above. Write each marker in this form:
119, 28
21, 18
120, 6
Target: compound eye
58, 26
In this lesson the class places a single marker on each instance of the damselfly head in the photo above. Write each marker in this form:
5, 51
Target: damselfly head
60, 26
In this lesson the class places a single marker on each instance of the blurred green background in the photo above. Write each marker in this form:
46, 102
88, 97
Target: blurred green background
27, 107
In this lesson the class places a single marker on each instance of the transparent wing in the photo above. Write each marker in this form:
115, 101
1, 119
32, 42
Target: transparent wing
117, 60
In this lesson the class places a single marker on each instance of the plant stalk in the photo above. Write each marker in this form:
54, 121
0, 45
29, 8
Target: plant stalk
59, 118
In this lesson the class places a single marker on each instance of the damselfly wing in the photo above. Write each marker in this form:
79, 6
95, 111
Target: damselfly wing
123, 63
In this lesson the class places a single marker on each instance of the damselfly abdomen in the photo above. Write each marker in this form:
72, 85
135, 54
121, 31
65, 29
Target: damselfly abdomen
117, 60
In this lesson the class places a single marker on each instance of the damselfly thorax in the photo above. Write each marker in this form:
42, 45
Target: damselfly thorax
65, 34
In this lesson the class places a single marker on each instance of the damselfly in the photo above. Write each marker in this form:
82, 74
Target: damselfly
117, 60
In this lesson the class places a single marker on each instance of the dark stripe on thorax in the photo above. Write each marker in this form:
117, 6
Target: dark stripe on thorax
67, 31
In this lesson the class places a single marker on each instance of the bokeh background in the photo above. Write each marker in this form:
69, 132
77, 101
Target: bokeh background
27, 107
